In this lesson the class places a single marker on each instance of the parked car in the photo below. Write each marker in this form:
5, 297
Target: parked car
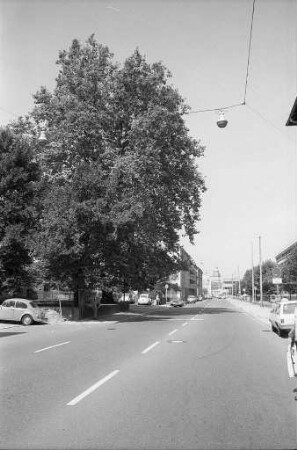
192, 299
144, 299
281, 316
125, 298
177, 302
21, 310
274, 298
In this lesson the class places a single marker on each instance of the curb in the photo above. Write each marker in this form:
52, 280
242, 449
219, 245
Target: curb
252, 310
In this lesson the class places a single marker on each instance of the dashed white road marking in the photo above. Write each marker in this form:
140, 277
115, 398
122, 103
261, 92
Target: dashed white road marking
184, 324
52, 346
150, 347
172, 332
92, 388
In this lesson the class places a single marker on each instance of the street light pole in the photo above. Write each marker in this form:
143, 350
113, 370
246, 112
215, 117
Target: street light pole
253, 276
260, 264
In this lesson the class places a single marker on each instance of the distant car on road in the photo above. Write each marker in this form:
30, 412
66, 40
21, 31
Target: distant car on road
281, 316
192, 299
144, 299
177, 302
21, 310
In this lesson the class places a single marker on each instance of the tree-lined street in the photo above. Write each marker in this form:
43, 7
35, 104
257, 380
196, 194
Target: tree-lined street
203, 376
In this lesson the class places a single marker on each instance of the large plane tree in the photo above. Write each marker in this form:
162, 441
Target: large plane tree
120, 166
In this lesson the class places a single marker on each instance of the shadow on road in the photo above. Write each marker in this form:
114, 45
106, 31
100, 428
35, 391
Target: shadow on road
10, 333
151, 313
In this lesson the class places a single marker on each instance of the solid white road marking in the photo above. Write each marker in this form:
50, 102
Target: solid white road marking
172, 332
150, 347
92, 388
52, 346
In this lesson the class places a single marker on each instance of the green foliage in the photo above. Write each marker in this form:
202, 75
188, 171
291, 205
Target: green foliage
19, 207
120, 168
269, 271
289, 271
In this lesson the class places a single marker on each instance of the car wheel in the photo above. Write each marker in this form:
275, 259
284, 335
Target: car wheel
272, 327
27, 320
279, 332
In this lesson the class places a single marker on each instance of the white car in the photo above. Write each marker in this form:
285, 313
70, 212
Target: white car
144, 299
281, 316
21, 310
192, 299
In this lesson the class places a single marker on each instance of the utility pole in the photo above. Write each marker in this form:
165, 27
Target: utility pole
260, 264
232, 286
253, 276
239, 287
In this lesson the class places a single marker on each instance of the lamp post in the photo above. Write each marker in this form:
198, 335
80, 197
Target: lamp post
260, 264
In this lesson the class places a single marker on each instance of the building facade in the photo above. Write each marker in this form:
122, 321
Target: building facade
186, 282
284, 254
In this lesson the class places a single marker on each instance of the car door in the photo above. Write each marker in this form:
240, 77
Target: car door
20, 309
288, 314
7, 310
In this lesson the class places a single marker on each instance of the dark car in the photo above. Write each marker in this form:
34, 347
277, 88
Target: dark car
177, 302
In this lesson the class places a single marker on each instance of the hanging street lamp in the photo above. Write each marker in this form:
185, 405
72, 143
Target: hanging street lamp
222, 122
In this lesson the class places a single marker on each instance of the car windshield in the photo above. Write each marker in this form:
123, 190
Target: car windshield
289, 309
33, 304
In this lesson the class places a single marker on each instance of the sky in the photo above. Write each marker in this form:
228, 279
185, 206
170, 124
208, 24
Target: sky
250, 167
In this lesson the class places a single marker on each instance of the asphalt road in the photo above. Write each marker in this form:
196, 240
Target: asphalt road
201, 377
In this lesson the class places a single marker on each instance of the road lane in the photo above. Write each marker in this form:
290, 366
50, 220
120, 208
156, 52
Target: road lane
48, 379
220, 383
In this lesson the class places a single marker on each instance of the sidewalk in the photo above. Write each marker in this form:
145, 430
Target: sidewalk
254, 309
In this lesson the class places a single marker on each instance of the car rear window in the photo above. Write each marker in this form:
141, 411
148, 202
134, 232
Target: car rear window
34, 304
289, 309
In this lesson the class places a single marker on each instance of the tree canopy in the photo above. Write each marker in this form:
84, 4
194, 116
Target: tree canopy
269, 270
120, 169
289, 271
19, 208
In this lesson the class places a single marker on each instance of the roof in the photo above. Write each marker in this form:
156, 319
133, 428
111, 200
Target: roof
284, 253
292, 120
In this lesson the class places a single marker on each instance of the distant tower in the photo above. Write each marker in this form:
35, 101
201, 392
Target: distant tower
216, 282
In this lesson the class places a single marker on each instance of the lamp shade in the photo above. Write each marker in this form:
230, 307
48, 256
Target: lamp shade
222, 122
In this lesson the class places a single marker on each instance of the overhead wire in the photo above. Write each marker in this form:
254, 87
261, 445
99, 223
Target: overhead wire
246, 76
249, 52
9, 112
